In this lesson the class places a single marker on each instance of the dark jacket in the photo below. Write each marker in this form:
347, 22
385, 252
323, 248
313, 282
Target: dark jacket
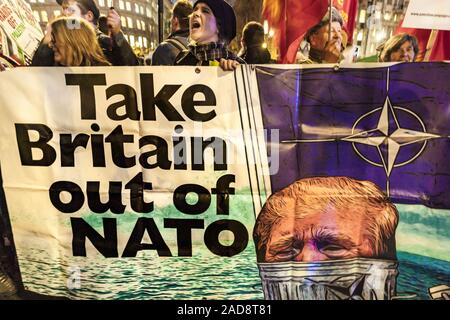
256, 55
167, 51
116, 49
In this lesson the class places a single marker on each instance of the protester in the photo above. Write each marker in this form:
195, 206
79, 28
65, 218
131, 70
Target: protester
75, 46
399, 48
323, 50
115, 47
103, 24
167, 51
252, 42
212, 26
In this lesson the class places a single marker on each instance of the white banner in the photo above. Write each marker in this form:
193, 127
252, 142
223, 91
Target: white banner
102, 165
426, 14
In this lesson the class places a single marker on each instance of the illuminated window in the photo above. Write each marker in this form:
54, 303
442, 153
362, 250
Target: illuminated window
44, 16
128, 5
124, 21
136, 8
121, 5
36, 15
130, 22
56, 13
101, 3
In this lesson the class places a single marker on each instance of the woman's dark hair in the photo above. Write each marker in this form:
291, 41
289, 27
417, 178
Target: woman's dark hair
394, 43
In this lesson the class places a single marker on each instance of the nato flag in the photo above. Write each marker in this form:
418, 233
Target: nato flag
388, 125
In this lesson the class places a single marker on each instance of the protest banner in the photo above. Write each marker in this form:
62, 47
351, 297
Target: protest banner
20, 26
273, 182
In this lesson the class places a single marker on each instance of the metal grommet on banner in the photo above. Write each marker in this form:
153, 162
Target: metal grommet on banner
197, 70
336, 68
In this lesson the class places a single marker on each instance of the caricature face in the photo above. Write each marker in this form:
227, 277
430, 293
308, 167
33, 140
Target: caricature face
403, 54
320, 38
327, 238
319, 236
203, 25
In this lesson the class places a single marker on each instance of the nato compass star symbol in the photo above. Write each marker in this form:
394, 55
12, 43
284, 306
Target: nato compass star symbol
388, 137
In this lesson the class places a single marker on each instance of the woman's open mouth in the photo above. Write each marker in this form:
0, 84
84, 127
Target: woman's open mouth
195, 25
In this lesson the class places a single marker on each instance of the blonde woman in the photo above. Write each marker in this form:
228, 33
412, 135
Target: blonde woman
74, 43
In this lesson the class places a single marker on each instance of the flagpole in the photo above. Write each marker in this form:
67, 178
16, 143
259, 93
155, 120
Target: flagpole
160, 21
329, 22
430, 44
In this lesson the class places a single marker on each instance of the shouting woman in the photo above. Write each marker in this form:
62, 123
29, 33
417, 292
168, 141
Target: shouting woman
212, 26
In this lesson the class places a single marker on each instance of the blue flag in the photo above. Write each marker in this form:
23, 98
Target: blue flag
388, 125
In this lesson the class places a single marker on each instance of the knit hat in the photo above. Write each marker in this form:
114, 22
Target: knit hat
89, 5
335, 17
225, 17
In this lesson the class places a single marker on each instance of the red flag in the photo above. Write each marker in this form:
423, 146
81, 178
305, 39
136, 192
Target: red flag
441, 48
348, 10
291, 19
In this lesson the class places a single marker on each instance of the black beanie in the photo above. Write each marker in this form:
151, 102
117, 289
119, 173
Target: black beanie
225, 17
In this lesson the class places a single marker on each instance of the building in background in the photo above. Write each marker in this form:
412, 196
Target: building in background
246, 11
139, 19
376, 22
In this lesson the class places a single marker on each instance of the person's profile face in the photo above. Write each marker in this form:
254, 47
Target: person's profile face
59, 50
71, 9
403, 54
320, 38
203, 25
325, 235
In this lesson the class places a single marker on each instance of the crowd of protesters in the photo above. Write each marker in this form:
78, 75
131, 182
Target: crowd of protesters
200, 35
